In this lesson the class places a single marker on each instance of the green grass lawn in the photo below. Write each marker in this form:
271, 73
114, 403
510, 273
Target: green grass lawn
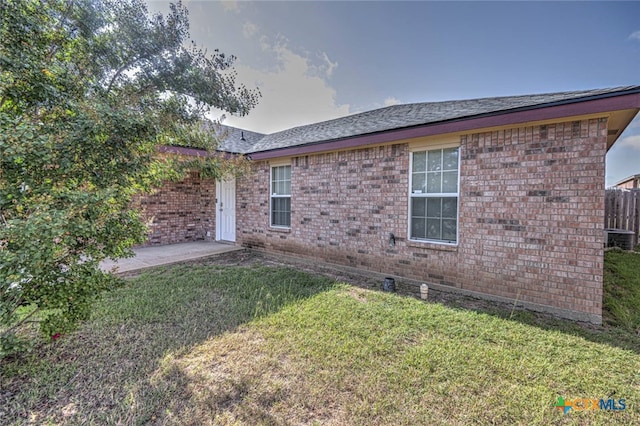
622, 289
265, 345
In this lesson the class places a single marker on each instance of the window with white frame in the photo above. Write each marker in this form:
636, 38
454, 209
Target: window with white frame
281, 196
433, 197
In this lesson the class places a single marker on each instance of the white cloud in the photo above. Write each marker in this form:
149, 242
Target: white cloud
331, 66
230, 5
294, 93
323, 67
635, 35
632, 141
391, 101
249, 29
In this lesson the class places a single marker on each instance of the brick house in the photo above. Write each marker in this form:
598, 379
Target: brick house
632, 182
498, 197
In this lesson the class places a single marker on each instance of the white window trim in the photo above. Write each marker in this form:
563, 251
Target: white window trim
410, 194
280, 162
435, 142
272, 195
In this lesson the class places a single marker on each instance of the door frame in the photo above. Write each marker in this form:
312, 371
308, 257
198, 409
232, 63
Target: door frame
219, 187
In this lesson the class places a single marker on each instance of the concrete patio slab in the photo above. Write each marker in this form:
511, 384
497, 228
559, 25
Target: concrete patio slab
148, 257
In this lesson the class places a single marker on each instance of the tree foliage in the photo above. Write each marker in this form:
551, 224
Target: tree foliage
88, 88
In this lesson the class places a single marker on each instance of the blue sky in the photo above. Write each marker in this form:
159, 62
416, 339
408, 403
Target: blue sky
317, 60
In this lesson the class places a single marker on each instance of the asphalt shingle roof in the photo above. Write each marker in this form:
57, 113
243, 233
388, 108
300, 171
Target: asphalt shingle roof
409, 115
237, 141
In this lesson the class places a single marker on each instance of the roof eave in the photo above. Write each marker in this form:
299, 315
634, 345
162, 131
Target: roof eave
627, 179
603, 103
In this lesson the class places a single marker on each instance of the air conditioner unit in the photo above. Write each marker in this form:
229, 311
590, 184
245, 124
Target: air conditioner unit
622, 238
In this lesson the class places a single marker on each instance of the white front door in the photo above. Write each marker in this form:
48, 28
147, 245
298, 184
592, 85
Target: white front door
226, 210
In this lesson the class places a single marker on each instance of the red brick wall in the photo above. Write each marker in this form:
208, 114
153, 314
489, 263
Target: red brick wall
181, 211
530, 216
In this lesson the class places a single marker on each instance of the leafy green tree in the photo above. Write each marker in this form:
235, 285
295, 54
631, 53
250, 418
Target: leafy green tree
88, 89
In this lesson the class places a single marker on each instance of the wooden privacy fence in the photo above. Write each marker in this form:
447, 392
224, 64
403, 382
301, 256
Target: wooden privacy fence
622, 209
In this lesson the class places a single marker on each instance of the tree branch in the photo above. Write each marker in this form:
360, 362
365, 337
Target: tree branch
60, 26
18, 303
119, 72
23, 321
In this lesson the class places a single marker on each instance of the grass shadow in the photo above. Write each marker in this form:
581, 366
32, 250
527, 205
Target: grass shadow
179, 345
612, 332
163, 313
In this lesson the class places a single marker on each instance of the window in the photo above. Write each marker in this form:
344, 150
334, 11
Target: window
281, 196
434, 195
